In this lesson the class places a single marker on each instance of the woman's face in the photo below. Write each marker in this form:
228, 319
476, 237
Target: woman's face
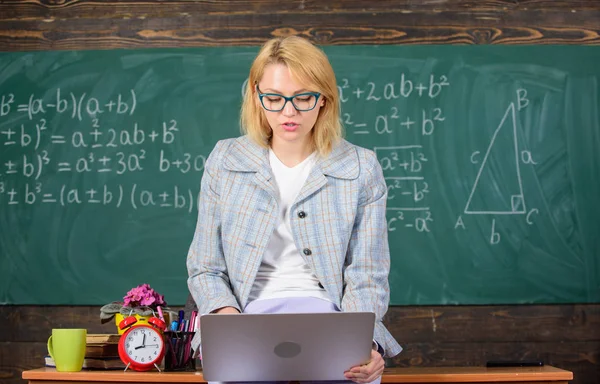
289, 125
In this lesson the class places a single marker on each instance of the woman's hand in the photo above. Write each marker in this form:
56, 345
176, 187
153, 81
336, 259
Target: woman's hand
226, 310
368, 372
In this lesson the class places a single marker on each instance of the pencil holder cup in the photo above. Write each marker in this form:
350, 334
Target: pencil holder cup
178, 356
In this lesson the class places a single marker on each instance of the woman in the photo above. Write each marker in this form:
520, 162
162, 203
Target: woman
291, 216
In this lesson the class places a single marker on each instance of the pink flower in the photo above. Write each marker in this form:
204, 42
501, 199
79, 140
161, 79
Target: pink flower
143, 295
147, 301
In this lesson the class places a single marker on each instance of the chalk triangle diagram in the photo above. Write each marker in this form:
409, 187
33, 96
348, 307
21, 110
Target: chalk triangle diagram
498, 188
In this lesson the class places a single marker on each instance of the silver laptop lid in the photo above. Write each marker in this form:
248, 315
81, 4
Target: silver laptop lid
278, 347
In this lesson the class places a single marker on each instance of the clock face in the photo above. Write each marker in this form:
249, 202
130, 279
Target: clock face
143, 345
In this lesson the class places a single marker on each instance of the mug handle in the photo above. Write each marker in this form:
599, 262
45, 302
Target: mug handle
50, 348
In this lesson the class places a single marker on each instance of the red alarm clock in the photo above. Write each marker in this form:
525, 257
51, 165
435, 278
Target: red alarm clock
142, 346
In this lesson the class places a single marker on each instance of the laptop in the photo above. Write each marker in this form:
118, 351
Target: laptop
284, 347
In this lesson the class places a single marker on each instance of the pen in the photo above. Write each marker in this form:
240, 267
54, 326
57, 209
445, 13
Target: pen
160, 312
192, 323
186, 352
196, 321
173, 354
180, 350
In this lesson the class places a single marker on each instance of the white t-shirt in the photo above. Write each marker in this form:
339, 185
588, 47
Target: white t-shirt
283, 272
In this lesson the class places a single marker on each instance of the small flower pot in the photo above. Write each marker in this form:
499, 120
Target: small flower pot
140, 320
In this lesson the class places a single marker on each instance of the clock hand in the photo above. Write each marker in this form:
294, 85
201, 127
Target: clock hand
143, 343
151, 345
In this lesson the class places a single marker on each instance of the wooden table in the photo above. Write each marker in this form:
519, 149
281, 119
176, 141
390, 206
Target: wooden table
536, 375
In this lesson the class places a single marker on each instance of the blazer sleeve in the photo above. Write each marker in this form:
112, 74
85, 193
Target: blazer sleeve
208, 279
367, 265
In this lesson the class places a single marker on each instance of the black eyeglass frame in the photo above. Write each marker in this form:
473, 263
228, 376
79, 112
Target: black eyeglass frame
290, 99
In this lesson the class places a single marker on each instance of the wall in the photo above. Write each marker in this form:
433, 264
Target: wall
567, 336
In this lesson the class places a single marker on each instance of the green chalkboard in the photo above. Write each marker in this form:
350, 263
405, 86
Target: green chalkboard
491, 155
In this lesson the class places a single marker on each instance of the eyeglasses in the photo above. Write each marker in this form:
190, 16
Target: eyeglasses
274, 102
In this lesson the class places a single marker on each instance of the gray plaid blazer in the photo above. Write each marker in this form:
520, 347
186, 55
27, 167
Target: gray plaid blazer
341, 232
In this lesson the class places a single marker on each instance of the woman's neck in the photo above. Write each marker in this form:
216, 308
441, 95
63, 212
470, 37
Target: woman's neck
291, 154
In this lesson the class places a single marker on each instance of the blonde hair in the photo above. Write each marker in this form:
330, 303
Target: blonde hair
308, 65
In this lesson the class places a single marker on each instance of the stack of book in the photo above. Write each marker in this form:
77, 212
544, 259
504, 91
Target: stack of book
101, 352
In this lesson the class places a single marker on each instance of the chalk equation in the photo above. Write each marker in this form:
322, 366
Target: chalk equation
74, 105
117, 195
380, 110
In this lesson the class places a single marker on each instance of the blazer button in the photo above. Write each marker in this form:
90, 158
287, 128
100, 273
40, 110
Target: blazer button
302, 214
307, 252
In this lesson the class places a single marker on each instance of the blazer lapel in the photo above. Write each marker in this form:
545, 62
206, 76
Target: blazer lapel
341, 163
315, 181
264, 180
246, 156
